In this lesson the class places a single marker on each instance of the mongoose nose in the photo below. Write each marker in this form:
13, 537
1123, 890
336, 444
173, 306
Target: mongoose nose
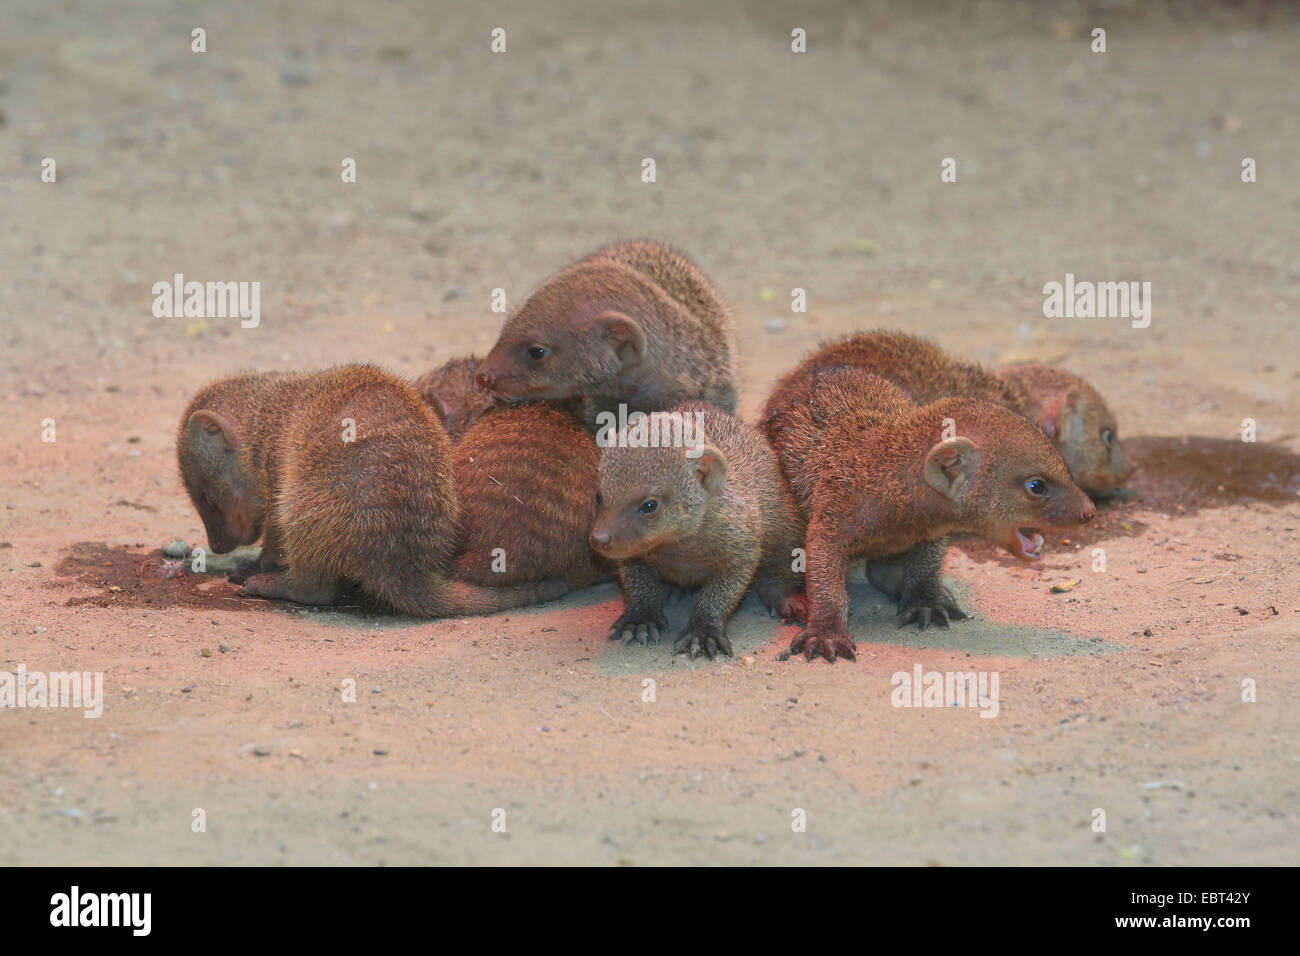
485, 379
599, 539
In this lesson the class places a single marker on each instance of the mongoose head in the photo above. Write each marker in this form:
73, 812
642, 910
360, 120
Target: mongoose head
568, 339
218, 482
649, 497
451, 392
1077, 419
1003, 478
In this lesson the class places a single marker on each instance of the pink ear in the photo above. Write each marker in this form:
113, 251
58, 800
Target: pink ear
445, 409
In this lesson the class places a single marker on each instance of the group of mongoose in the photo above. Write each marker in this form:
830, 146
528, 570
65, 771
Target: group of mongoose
494, 483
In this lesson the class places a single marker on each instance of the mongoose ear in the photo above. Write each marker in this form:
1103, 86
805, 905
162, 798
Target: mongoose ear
442, 406
710, 469
1071, 416
211, 429
1055, 414
951, 467
625, 336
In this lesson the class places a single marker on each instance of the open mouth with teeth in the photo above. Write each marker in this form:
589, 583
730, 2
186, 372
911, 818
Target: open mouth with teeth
1026, 544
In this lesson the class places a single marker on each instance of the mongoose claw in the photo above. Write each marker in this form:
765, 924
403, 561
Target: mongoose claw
696, 641
643, 634
639, 628
828, 644
926, 609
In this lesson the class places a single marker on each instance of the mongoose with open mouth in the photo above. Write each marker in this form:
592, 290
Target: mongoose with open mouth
1069, 410
875, 475
633, 324
349, 473
707, 508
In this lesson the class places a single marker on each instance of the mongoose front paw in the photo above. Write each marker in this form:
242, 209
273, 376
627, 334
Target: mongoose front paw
829, 642
706, 640
246, 569
935, 605
266, 584
641, 627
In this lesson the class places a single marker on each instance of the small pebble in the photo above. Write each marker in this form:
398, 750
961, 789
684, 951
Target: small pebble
176, 548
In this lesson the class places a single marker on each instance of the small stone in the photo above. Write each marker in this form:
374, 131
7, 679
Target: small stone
223, 648
773, 325
176, 548
204, 652
261, 751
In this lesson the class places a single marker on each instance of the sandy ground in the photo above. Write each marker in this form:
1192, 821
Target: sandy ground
775, 170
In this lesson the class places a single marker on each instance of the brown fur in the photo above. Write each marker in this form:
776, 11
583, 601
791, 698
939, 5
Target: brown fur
634, 323
874, 478
450, 390
526, 476
723, 520
268, 452
1067, 408
1077, 419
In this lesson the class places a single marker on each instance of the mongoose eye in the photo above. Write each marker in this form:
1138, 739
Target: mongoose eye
648, 507
599, 500
1036, 487
536, 353
1107, 435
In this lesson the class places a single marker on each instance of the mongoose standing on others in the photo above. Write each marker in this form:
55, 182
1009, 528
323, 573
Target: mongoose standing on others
633, 324
694, 497
875, 476
349, 473
526, 478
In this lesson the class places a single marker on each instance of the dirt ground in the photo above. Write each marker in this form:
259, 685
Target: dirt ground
775, 170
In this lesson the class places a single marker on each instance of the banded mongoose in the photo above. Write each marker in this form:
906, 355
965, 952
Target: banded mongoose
706, 509
633, 324
1071, 412
526, 479
349, 474
875, 475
